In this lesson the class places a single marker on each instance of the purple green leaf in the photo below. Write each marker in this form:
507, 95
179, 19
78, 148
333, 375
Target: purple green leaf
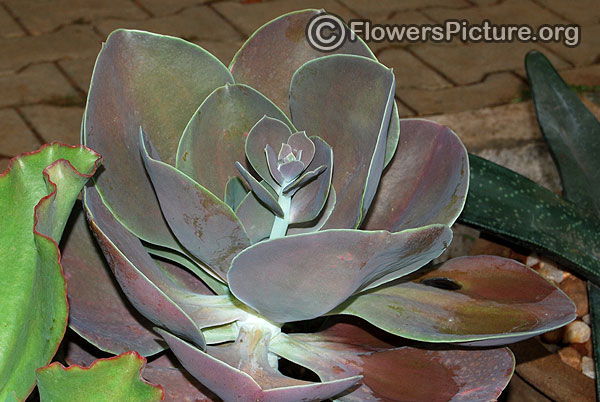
149, 80
484, 300
241, 371
256, 218
426, 182
355, 124
235, 192
216, 135
318, 223
304, 276
204, 224
299, 142
267, 132
260, 191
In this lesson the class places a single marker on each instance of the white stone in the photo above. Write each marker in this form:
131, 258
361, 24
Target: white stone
587, 367
577, 332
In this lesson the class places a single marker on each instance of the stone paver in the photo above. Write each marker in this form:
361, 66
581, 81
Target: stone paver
16, 137
383, 9
55, 123
73, 41
190, 24
587, 52
589, 75
80, 71
165, 7
8, 27
411, 72
38, 83
471, 63
42, 16
495, 89
579, 12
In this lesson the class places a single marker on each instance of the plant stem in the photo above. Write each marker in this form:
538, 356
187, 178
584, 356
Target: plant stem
281, 224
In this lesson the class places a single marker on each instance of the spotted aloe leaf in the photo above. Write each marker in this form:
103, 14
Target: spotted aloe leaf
114, 379
149, 80
399, 374
485, 300
282, 42
426, 182
204, 224
37, 192
242, 371
335, 264
101, 313
215, 137
338, 80
126, 256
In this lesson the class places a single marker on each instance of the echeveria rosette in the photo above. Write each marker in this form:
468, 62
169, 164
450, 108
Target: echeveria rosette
282, 244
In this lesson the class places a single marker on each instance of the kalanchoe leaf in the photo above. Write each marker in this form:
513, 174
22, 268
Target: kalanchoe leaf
235, 192
498, 301
266, 134
125, 253
401, 374
356, 128
290, 170
215, 136
117, 378
335, 264
302, 146
310, 199
138, 81
256, 218
265, 384
205, 225
304, 179
318, 223
426, 182
98, 309
37, 192
260, 191
282, 42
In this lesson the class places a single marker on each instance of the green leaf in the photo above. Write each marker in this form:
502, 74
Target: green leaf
37, 192
114, 379
486, 300
504, 202
235, 192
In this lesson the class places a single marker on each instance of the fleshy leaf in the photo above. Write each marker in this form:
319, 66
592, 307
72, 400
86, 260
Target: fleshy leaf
426, 182
204, 224
400, 374
571, 130
282, 42
230, 380
260, 191
149, 80
126, 256
267, 132
318, 223
300, 142
304, 179
98, 310
256, 218
114, 379
235, 192
358, 95
335, 264
37, 193
215, 137
484, 300
512, 206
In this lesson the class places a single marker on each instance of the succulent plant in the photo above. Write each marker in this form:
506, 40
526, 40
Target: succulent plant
230, 204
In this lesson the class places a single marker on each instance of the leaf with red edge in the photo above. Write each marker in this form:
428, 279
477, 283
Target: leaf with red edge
483, 300
37, 193
404, 374
114, 379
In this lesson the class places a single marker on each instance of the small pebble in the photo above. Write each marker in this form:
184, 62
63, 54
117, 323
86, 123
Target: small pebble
587, 367
587, 319
550, 271
571, 357
576, 289
577, 332
532, 260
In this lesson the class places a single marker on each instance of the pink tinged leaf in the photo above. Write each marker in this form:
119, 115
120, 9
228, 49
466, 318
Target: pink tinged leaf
335, 264
255, 379
266, 134
362, 93
316, 224
98, 309
400, 374
426, 182
256, 218
301, 181
151, 80
303, 147
205, 225
125, 254
216, 135
260, 191
483, 300
309, 201
290, 170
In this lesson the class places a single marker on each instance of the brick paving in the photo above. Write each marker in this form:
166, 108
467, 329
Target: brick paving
48, 50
